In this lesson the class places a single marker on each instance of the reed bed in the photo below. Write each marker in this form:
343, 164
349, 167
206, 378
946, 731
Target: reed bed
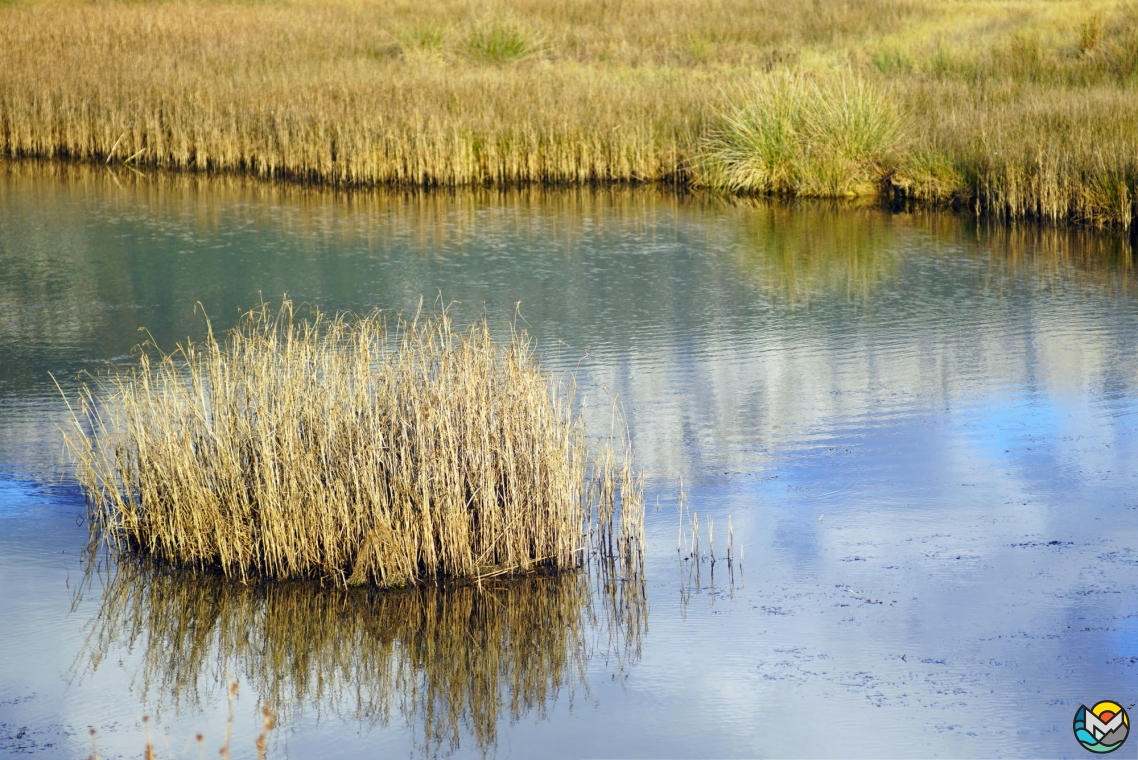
449, 661
347, 450
1012, 109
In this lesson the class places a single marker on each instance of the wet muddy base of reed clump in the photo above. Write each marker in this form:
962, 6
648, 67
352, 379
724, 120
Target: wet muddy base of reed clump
360, 450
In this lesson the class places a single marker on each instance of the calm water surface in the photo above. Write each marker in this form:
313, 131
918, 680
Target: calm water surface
922, 430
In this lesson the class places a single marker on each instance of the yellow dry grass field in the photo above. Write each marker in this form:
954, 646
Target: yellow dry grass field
1014, 108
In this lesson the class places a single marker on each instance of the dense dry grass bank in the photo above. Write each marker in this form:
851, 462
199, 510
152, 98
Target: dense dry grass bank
339, 450
1015, 108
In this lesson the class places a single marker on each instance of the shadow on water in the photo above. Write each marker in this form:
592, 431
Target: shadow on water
449, 661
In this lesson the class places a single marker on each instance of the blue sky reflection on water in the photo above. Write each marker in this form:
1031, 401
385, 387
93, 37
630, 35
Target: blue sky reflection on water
922, 431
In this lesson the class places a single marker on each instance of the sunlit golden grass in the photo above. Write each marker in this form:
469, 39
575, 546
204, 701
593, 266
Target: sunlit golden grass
1012, 108
341, 449
449, 660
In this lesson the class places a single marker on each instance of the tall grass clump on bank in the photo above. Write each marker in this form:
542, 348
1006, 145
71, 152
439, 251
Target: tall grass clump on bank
499, 43
341, 449
797, 136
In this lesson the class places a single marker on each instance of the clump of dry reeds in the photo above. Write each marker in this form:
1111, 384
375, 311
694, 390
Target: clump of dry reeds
349, 449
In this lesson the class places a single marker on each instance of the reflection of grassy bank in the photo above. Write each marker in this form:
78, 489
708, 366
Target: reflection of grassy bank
1018, 109
316, 215
796, 254
1101, 264
803, 252
448, 660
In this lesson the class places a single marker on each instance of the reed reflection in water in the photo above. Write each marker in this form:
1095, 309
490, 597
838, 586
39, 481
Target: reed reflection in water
448, 660
797, 253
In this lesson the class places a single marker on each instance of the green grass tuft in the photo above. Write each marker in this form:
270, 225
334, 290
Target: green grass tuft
797, 136
499, 43
424, 37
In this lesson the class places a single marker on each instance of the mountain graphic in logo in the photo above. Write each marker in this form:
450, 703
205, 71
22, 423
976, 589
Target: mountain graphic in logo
1102, 728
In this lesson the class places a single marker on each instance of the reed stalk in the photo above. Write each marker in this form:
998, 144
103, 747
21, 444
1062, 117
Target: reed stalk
730, 541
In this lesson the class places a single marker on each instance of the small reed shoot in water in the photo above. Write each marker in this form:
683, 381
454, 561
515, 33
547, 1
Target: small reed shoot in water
148, 753
680, 501
695, 536
268, 723
339, 449
711, 537
730, 540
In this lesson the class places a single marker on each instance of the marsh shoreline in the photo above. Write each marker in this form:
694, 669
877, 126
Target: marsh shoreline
1013, 110
891, 201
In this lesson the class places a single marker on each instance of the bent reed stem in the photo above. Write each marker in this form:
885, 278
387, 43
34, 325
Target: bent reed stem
340, 449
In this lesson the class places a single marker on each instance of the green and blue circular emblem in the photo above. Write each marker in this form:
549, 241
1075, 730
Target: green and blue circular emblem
1102, 728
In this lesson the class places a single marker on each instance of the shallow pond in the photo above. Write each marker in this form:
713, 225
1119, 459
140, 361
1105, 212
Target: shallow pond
922, 429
